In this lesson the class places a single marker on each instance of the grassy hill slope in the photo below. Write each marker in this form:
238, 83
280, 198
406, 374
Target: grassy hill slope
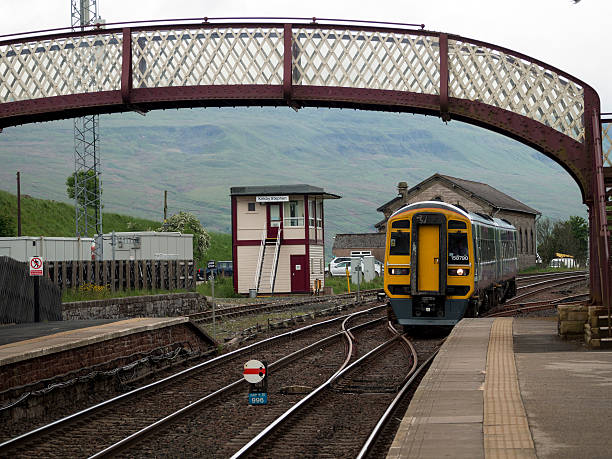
197, 155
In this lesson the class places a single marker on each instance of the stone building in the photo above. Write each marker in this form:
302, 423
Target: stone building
474, 197
356, 245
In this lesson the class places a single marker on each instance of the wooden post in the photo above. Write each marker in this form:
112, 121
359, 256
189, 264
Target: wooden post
73, 265
113, 267
64, 272
128, 277
56, 273
121, 263
171, 275
88, 272
153, 274
105, 273
145, 279
177, 274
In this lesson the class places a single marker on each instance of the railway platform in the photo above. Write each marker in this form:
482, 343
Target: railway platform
41, 351
510, 388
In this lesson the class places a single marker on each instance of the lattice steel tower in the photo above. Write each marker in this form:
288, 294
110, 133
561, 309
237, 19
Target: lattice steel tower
87, 172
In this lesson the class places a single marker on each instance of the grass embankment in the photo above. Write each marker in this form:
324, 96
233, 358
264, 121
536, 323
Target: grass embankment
339, 284
41, 217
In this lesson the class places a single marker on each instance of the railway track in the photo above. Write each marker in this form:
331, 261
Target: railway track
541, 285
93, 429
334, 420
229, 312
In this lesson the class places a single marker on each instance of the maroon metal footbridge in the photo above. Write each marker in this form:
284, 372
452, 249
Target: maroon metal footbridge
58, 74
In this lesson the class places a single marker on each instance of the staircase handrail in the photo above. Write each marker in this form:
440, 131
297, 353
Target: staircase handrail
260, 259
275, 261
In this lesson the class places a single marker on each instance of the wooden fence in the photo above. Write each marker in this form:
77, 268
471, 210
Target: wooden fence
123, 274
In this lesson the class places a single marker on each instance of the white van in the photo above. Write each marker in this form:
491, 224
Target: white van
563, 263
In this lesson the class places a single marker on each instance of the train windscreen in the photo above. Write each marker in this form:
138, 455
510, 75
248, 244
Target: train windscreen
399, 243
458, 249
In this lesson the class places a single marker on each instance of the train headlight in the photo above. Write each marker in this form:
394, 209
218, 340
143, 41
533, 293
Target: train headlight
458, 272
399, 271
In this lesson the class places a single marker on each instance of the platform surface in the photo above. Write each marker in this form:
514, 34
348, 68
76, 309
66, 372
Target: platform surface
510, 388
26, 341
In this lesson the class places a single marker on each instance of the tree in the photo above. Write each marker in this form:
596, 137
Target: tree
569, 237
187, 223
92, 185
7, 226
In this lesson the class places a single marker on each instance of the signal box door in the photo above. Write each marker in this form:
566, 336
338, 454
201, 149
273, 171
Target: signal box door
299, 273
274, 215
429, 258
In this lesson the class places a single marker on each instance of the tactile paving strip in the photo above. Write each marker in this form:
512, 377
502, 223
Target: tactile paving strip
506, 431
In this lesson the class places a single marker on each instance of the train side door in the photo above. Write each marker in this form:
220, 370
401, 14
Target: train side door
429, 258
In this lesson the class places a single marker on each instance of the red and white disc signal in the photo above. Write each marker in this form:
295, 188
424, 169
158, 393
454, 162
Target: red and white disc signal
254, 371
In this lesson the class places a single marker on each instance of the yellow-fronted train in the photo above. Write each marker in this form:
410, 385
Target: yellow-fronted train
443, 263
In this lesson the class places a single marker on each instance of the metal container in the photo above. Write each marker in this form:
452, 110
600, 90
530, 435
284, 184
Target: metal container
49, 248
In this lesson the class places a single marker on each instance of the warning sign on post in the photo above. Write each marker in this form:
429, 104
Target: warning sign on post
36, 266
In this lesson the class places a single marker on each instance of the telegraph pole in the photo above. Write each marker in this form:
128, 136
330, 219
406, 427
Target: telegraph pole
87, 171
18, 203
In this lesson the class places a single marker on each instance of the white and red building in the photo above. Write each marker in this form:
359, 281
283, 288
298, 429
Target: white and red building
278, 238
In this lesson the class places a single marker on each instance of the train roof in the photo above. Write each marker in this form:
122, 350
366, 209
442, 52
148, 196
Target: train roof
474, 217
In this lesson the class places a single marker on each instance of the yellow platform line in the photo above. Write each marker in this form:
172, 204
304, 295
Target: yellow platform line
506, 430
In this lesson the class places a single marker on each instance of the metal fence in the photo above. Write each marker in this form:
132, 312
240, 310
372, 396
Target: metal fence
123, 274
17, 294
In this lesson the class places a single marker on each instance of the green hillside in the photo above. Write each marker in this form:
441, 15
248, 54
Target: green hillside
197, 155
41, 217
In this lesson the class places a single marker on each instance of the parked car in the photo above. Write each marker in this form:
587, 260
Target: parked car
224, 269
339, 269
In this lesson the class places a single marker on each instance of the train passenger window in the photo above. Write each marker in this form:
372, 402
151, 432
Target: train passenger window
401, 224
457, 249
456, 224
399, 243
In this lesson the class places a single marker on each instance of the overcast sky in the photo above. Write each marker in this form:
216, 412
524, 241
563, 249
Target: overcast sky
576, 38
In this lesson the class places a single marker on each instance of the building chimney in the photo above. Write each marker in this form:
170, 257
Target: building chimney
402, 189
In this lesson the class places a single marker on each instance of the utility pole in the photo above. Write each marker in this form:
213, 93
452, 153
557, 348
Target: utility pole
87, 171
165, 205
18, 203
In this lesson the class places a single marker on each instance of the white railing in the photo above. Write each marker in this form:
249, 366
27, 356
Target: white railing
275, 261
260, 258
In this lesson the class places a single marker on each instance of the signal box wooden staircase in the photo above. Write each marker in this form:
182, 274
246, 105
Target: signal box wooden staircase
267, 263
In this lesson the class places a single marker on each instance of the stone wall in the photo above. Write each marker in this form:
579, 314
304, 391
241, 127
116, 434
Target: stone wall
170, 305
59, 363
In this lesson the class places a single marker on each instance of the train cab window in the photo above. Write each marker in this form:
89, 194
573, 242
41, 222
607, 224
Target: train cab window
458, 249
456, 224
400, 224
399, 243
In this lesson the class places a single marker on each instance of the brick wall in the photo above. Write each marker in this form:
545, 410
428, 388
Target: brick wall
51, 365
171, 305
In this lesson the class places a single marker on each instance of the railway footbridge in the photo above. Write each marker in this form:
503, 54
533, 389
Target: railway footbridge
58, 74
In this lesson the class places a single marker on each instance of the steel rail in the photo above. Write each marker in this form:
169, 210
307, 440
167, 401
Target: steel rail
544, 275
369, 443
48, 428
550, 281
139, 436
537, 305
249, 447
566, 280
244, 309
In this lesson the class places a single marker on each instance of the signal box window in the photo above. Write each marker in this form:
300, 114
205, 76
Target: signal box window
457, 249
251, 207
399, 243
